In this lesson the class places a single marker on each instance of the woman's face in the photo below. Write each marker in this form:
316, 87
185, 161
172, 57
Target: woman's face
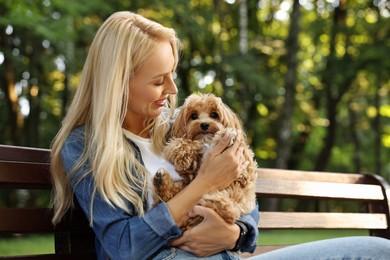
150, 87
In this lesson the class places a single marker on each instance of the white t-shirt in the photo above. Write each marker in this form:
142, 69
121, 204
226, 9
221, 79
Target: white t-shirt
152, 161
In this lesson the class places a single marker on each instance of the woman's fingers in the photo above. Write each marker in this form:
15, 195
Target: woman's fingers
224, 144
221, 145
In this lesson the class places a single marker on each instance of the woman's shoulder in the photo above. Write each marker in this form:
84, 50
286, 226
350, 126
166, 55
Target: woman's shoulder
77, 134
75, 140
73, 148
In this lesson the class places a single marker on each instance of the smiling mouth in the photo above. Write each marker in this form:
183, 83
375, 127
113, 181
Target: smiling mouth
161, 102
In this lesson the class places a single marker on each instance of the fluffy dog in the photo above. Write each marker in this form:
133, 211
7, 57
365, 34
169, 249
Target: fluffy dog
202, 121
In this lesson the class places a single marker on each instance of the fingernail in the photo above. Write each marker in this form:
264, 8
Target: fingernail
226, 138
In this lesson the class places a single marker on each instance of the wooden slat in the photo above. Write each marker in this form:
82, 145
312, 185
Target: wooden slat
25, 220
24, 154
25, 175
280, 188
31, 220
309, 220
266, 173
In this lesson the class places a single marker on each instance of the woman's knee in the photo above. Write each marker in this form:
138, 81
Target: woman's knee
337, 248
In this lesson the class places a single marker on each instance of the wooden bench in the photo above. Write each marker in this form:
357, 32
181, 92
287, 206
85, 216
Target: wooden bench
28, 168
23, 168
368, 194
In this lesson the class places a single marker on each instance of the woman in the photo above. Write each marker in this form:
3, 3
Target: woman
110, 144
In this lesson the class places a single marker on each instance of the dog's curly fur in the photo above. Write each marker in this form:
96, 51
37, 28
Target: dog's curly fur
202, 121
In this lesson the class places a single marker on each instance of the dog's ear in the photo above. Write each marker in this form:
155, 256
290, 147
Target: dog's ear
180, 122
229, 118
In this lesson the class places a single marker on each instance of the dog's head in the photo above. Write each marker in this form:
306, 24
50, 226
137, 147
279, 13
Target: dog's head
202, 115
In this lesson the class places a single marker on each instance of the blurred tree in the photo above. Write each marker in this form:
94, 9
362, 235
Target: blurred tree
309, 78
286, 115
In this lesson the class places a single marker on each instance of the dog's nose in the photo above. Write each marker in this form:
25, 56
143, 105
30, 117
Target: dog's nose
204, 126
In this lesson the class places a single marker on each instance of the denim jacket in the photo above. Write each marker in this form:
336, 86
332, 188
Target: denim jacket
120, 235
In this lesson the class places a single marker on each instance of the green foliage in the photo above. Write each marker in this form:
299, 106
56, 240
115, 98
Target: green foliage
341, 93
44, 244
292, 237
27, 245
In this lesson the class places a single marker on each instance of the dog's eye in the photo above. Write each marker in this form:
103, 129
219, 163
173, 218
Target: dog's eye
214, 115
194, 116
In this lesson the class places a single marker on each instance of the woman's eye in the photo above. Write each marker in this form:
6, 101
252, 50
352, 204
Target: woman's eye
214, 115
194, 116
159, 84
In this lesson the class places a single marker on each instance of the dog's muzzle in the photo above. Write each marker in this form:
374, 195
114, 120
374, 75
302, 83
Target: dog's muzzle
204, 126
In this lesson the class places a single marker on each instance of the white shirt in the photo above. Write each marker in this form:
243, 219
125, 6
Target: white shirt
152, 161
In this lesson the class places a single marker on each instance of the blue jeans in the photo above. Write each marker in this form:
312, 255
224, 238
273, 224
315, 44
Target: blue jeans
178, 254
346, 248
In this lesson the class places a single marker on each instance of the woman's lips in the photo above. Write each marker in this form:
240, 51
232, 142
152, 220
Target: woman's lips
161, 102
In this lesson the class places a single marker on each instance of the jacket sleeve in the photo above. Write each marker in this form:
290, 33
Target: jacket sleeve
119, 235
251, 221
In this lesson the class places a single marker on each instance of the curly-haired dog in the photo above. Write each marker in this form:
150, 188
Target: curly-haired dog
202, 121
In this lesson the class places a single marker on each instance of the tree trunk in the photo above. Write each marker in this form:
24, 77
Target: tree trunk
355, 139
243, 14
377, 129
243, 49
15, 117
285, 129
332, 94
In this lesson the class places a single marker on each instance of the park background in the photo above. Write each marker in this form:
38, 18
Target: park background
309, 78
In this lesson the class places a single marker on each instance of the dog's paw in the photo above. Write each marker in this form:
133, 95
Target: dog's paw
161, 179
158, 179
184, 154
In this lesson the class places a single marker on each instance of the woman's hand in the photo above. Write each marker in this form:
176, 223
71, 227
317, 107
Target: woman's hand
222, 165
209, 237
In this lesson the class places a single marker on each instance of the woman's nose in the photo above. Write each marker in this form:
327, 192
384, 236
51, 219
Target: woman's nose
170, 86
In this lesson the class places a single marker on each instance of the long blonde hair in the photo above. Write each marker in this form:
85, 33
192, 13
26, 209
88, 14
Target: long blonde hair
121, 46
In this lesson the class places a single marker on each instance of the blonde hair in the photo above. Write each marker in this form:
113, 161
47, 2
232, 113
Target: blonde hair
121, 46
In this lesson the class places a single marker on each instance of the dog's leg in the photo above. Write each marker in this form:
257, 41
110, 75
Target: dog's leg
165, 187
185, 155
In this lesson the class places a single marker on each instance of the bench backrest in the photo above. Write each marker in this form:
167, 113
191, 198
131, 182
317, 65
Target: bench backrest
367, 194
29, 169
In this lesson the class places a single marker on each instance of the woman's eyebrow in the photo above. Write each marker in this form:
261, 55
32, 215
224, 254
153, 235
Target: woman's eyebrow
160, 75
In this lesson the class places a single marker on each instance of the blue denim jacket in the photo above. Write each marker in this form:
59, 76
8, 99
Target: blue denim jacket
120, 235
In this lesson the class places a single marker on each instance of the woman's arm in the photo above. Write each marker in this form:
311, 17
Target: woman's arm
251, 220
119, 235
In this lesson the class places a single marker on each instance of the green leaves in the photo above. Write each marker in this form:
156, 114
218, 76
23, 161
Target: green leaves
44, 45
